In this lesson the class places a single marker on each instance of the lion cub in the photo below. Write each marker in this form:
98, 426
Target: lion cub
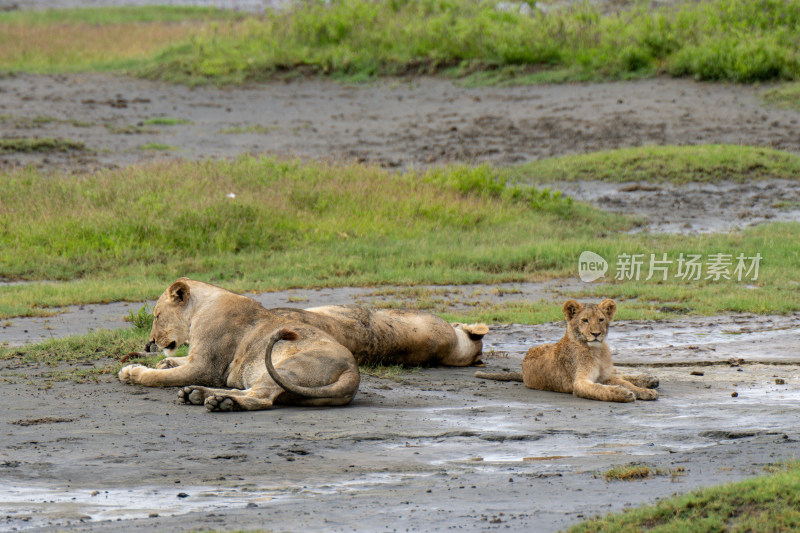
580, 362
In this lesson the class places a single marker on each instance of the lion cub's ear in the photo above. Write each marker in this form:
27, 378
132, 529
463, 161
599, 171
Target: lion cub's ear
608, 307
179, 292
571, 308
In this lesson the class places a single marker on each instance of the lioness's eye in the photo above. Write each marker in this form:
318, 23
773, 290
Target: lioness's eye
585, 320
602, 320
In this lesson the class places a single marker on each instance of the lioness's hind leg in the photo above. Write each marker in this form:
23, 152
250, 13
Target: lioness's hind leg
197, 394
644, 381
236, 400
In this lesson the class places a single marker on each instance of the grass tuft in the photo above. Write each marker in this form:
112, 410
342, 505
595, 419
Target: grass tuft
676, 164
43, 144
786, 96
158, 147
165, 121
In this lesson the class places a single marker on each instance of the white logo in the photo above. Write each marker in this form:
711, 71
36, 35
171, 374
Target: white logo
591, 267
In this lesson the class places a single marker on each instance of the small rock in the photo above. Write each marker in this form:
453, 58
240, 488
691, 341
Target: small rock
734, 394
697, 373
780, 381
182, 495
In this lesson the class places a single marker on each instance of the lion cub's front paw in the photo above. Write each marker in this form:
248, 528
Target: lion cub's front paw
130, 373
647, 394
621, 394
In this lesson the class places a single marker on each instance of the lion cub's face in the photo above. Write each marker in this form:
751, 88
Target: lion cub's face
589, 323
170, 320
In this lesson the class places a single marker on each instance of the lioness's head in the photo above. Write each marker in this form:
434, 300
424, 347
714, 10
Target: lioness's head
171, 318
589, 323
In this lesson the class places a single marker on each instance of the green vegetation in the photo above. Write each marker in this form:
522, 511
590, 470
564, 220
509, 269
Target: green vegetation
767, 503
734, 40
142, 319
43, 144
786, 96
125, 234
158, 147
676, 164
165, 121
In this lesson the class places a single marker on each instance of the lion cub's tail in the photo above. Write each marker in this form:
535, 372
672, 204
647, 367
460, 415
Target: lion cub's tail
345, 387
500, 376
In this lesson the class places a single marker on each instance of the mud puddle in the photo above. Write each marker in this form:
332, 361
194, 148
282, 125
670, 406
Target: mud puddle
693, 207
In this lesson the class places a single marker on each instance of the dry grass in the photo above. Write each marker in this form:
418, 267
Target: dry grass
70, 46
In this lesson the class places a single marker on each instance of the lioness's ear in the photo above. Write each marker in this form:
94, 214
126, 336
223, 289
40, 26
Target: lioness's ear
571, 308
608, 307
179, 292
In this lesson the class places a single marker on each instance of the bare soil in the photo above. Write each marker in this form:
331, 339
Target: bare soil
433, 449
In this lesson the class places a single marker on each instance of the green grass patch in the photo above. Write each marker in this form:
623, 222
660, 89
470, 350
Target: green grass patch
628, 472
166, 121
125, 234
786, 96
732, 40
761, 504
158, 147
675, 164
43, 144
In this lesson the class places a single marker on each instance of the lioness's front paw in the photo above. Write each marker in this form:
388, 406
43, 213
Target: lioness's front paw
166, 363
130, 373
647, 394
221, 403
193, 395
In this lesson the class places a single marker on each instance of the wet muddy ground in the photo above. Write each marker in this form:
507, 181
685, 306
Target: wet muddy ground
431, 449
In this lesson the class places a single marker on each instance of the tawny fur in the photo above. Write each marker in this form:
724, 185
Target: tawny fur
315, 353
580, 363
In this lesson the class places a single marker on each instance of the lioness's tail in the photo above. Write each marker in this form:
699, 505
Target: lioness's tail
500, 376
345, 387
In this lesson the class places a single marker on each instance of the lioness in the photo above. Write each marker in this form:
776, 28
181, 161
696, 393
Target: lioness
580, 362
233, 342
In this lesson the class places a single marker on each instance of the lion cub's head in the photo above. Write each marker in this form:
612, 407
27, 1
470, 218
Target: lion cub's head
171, 318
589, 323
